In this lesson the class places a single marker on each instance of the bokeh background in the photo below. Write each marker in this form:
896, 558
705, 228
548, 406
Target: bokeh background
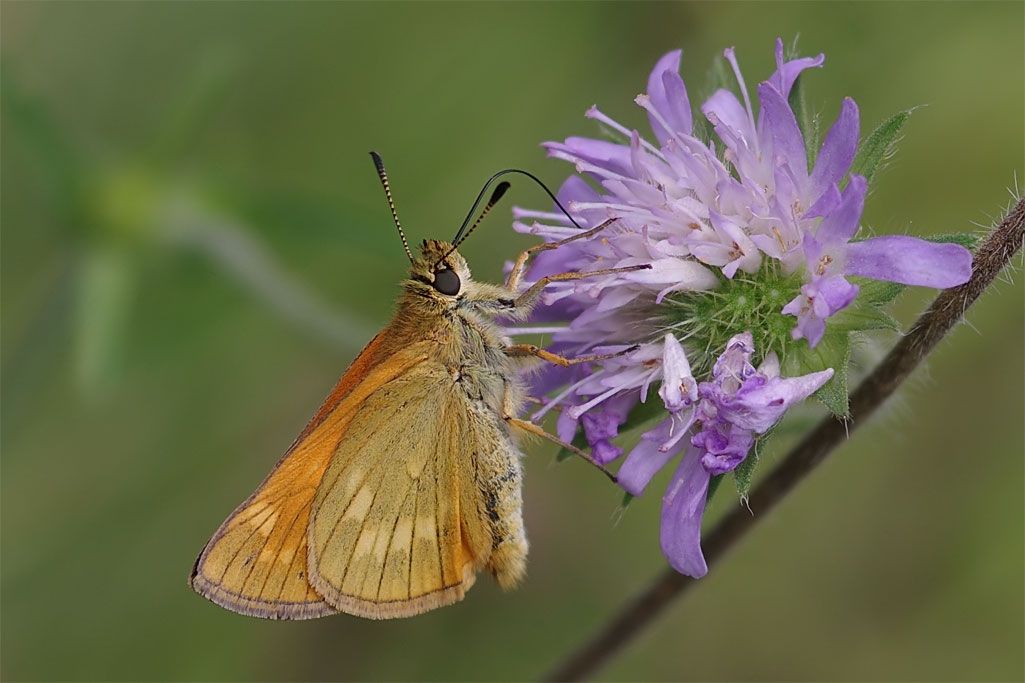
195, 245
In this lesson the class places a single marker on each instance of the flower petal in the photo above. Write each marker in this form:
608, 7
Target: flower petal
679, 111
676, 272
724, 106
669, 97
758, 409
837, 151
841, 224
910, 261
608, 155
833, 294
678, 388
645, 460
566, 426
787, 72
683, 506
787, 140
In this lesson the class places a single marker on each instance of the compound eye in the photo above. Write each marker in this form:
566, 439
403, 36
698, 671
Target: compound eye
446, 281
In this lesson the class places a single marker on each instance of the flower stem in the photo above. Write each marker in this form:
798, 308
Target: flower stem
944, 312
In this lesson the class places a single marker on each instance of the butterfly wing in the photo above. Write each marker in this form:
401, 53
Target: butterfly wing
255, 563
395, 530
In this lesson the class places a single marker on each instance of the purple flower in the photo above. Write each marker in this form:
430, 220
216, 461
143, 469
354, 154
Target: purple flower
740, 235
739, 403
830, 256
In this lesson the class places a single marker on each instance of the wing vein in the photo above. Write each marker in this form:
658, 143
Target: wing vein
391, 537
348, 562
338, 521
234, 555
277, 553
437, 522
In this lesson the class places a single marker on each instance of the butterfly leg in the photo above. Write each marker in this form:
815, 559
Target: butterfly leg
516, 275
555, 359
530, 295
537, 430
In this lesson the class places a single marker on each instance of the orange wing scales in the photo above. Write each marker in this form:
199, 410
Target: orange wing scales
392, 544
255, 564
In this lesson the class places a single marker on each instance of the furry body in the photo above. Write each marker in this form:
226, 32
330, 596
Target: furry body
406, 483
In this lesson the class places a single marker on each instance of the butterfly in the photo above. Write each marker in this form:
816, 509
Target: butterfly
407, 481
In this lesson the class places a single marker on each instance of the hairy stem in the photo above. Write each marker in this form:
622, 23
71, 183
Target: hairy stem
944, 312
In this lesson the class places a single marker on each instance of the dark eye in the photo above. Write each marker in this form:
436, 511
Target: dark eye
446, 281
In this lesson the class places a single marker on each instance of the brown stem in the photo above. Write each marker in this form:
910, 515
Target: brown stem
944, 312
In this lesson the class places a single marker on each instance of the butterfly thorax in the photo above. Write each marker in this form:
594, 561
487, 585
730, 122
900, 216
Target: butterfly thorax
442, 303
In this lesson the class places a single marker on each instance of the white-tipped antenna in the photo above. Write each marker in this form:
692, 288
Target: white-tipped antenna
391, 204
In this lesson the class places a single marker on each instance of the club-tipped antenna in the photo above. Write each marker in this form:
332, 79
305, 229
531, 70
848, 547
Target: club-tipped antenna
463, 233
391, 203
495, 196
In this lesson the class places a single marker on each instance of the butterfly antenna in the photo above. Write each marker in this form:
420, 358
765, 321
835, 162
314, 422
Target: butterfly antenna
495, 196
463, 233
391, 203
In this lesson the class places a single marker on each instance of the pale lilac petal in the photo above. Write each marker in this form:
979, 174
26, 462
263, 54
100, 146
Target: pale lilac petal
683, 506
566, 426
576, 189
837, 151
669, 97
809, 326
795, 306
602, 425
679, 114
827, 202
645, 460
770, 365
552, 262
605, 451
668, 62
787, 140
675, 272
730, 452
546, 382
724, 445
910, 261
760, 407
725, 107
787, 73
840, 225
678, 389
735, 361
609, 155
836, 292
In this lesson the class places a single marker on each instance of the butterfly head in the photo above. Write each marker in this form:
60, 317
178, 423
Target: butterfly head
440, 270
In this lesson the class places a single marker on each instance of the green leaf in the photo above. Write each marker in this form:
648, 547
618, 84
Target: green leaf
713, 486
876, 292
832, 351
863, 316
627, 499
878, 146
965, 239
744, 472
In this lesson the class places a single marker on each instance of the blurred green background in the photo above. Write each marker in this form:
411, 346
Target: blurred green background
195, 245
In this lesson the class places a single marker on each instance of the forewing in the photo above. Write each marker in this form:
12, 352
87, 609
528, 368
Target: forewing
387, 537
255, 563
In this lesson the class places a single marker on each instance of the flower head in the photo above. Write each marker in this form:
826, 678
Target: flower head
750, 238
